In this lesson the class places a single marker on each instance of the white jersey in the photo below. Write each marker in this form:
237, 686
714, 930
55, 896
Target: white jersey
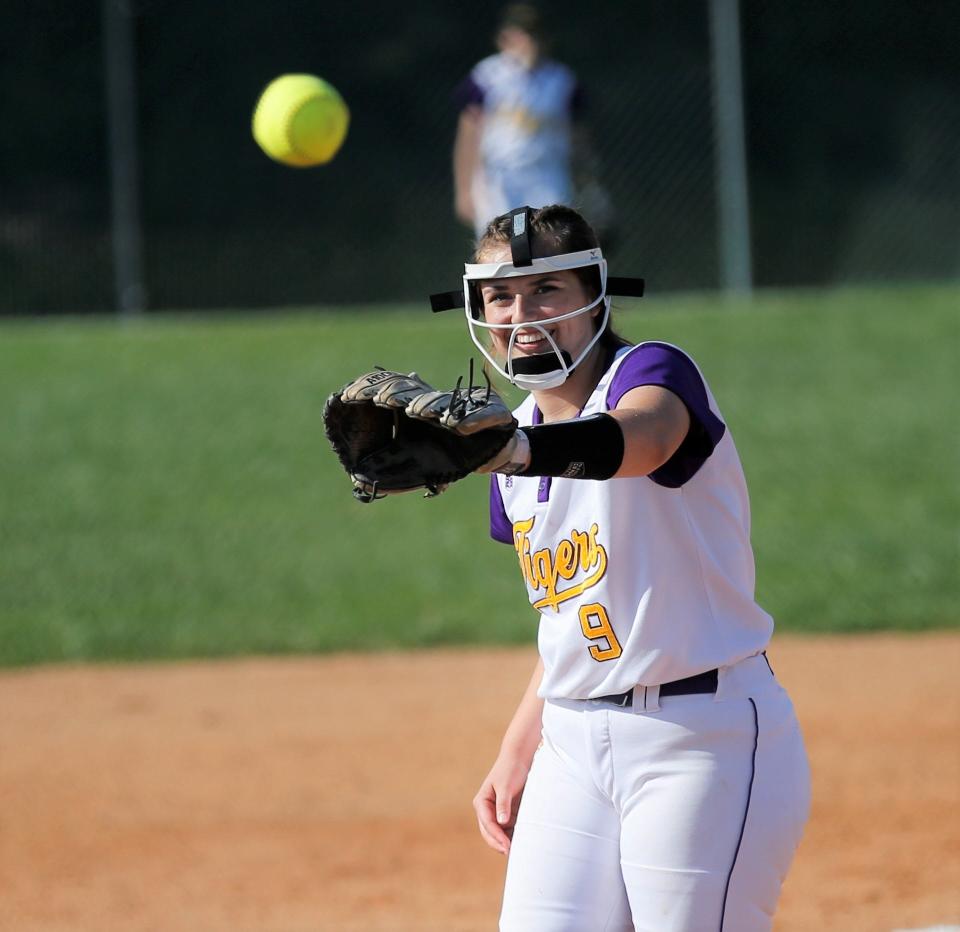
525, 146
639, 580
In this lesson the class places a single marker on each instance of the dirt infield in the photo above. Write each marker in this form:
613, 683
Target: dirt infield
334, 793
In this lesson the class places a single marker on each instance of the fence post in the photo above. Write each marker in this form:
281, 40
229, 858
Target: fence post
121, 91
733, 200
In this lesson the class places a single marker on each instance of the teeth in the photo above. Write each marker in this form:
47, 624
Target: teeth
529, 338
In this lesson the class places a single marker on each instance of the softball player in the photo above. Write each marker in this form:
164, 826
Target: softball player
515, 131
662, 772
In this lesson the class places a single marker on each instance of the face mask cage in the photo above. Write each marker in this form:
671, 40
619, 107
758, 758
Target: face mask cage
545, 370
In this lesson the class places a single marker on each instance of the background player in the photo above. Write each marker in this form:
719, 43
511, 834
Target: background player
663, 776
520, 129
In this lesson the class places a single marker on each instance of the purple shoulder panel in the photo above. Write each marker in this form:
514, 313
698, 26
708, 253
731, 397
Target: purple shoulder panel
500, 527
664, 365
467, 92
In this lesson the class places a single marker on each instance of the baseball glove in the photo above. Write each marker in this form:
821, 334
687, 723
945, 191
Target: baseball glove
394, 433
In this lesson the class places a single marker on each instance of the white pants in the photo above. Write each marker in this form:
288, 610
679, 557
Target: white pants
679, 817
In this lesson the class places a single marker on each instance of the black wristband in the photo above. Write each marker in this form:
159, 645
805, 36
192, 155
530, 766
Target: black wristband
584, 448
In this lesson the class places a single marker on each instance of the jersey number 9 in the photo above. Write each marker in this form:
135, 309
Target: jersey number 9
596, 626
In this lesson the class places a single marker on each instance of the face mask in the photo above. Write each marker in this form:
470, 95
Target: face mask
553, 367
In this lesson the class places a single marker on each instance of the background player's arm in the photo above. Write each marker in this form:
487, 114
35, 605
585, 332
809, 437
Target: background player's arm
466, 157
654, 422
499, 795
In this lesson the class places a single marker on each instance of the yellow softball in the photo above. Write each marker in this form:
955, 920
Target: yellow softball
300, 120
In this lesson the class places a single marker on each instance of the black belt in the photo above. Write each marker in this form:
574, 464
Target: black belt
691, 685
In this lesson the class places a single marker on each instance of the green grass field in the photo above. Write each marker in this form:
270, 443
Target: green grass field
166, 489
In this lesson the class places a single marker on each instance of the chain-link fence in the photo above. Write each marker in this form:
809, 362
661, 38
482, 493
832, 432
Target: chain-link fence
852, 142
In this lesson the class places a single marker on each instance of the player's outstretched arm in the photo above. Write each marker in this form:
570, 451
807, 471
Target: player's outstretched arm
498, 798
654, 422
638, 437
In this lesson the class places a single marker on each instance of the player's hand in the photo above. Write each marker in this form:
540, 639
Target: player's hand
498, 799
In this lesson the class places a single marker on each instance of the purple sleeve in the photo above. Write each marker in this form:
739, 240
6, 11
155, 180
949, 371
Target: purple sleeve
660, 364
500, 527
467, 92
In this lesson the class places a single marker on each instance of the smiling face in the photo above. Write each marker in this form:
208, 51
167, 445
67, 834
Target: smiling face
528, 299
